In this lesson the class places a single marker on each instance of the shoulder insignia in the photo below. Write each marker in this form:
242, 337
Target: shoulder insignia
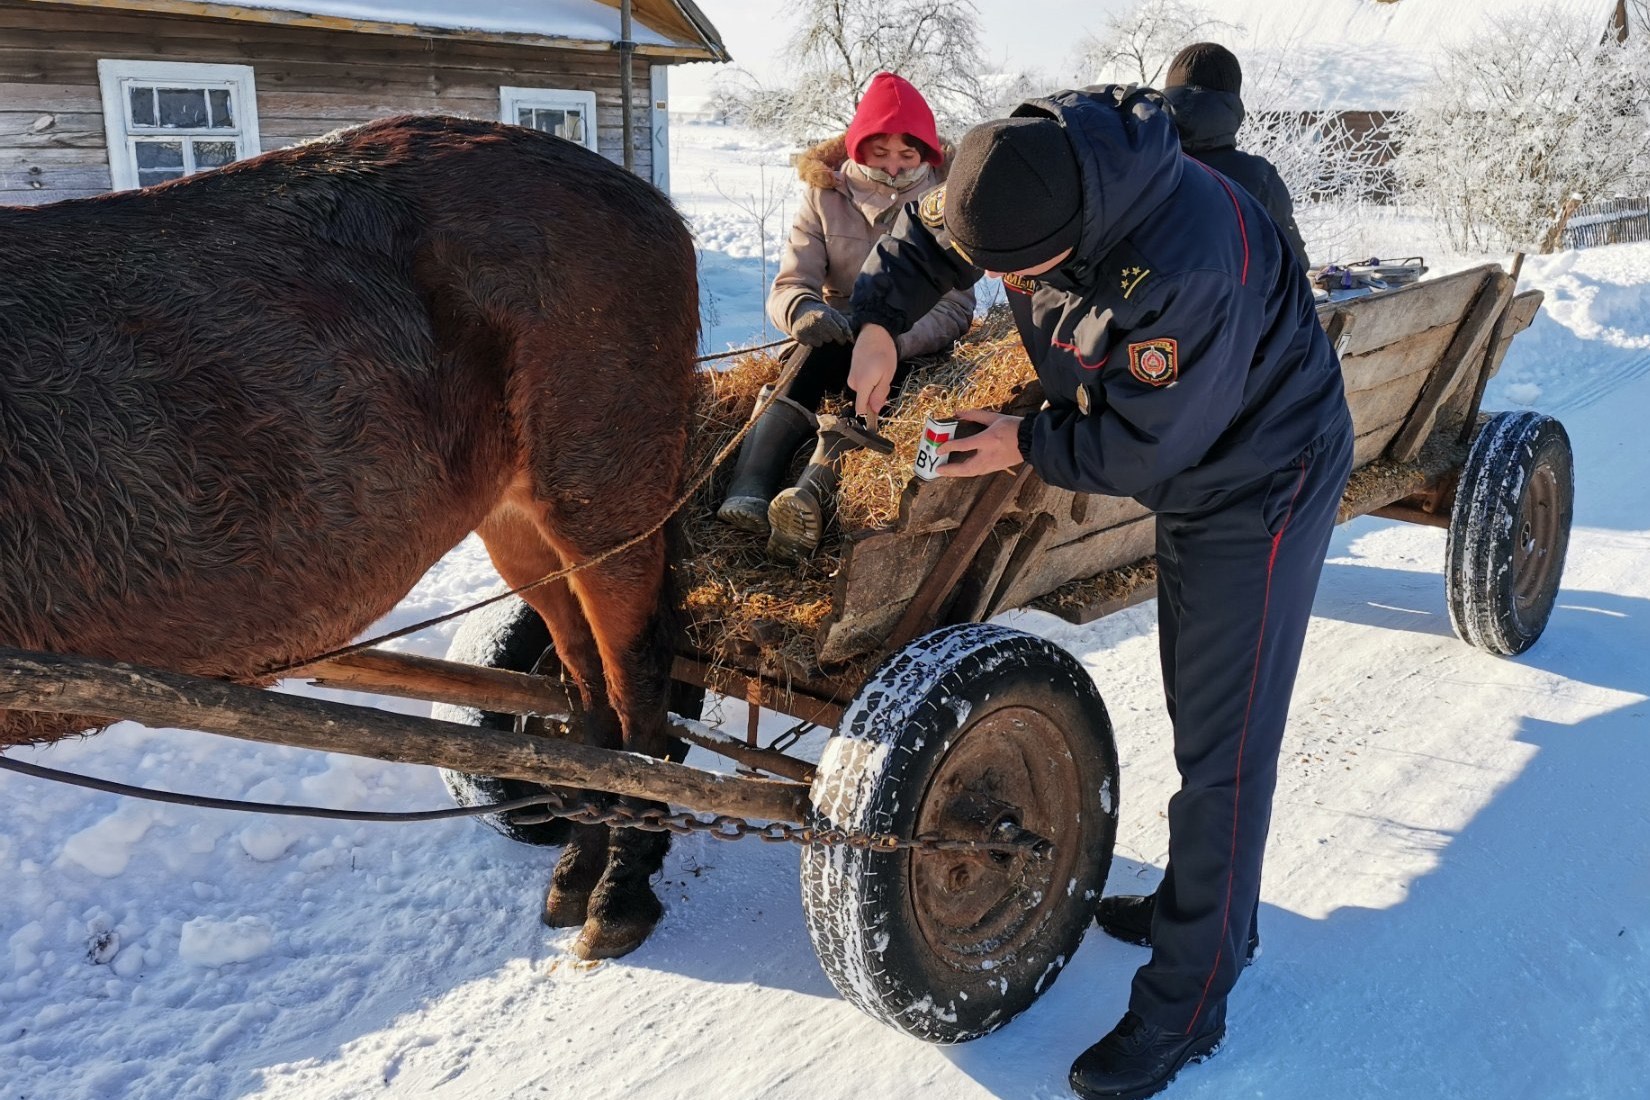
1019, 283
1132, 277
932, 208
1155, 362
1125, 270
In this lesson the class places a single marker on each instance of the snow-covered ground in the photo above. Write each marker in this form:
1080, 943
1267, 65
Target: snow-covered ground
1457, 901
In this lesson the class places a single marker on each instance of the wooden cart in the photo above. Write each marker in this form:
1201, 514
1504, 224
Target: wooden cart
992, 740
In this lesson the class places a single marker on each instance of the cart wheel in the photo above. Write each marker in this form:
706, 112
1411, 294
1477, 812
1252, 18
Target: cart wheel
510, 635
1509, 530
964, 730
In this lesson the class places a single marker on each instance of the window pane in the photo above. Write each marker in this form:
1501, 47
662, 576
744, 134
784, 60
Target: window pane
143, 106
149, 179
182, 107
524, 116
223, 113
162, 155
574, 129
213, 154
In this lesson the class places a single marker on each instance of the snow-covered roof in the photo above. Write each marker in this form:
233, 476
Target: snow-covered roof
657, 26
1367, 54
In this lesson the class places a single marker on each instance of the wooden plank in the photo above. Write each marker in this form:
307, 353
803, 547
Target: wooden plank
1369, 446
1417, 353
46, 195
1520, 316
813, 701
1457, 363
88, 176
23, 95
1386, 405
407, 676
79, 685
922, 612
1098, 553
1385, 318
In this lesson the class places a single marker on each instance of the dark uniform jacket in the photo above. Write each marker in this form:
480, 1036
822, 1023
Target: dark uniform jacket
1208, 122
1178, 348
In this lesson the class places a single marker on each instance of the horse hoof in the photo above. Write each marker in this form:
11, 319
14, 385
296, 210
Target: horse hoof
566, 908
604, 939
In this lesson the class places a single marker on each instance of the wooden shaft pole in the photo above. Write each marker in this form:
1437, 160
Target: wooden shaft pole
80, 685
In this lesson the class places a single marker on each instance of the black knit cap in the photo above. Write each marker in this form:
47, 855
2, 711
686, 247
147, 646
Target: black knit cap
1207, 65
1014, 196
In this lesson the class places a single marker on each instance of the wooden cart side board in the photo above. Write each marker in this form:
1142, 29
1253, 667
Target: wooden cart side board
1373, 490
1394, 315
1458, 367
1408, 355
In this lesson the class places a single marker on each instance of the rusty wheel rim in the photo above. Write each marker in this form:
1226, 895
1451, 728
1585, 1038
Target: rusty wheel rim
974, 910
1536, 533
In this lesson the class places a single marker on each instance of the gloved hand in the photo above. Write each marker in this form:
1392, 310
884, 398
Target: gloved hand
817, 324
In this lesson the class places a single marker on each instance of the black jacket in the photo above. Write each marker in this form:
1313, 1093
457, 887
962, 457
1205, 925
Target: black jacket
1182, 314
1208, 122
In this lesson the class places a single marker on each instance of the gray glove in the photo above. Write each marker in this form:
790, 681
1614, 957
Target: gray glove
817, 324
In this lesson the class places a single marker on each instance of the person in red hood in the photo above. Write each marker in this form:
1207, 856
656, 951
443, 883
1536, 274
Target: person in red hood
857, 183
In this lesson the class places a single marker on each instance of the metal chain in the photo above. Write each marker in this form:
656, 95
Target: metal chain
729, 827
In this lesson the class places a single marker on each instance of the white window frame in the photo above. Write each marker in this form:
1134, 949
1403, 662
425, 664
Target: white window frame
556, 99
114, 76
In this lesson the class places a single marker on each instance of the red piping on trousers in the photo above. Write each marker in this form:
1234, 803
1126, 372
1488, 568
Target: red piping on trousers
1237, 789
1243, 229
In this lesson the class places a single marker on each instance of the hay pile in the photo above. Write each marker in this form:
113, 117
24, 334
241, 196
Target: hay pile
748, 611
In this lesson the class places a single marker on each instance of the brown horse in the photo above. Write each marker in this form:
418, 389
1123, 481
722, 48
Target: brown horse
242, 413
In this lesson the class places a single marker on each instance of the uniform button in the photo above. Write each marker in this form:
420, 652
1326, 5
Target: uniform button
1083, 400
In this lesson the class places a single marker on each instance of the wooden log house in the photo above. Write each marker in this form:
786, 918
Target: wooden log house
98, 95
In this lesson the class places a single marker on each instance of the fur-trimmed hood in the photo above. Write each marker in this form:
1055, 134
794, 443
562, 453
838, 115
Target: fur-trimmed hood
821, 165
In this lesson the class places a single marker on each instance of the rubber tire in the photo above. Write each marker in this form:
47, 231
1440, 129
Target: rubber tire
872, 776
508, 635
1480, 576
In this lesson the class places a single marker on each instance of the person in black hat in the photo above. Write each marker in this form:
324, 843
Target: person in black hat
1204, 87
1183, 365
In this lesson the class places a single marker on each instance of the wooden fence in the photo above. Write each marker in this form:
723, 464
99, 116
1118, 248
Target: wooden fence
1608, 221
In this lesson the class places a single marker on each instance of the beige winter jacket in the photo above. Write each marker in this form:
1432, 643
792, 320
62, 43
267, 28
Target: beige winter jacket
843, 215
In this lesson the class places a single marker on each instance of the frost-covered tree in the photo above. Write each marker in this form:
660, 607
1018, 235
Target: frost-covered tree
1528, 116
839, 45
1136, 44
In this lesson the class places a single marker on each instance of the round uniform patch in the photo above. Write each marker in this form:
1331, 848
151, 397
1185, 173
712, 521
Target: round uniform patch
932, 208
1155, 362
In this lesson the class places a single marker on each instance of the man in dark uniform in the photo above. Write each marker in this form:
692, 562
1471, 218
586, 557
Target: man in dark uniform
1204, 86
1175, 338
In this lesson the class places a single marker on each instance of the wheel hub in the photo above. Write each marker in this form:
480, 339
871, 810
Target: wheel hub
1008, 776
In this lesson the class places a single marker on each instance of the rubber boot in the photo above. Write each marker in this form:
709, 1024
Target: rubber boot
763, 459
796, 518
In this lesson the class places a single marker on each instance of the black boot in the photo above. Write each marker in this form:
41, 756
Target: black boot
763, 459
1128, 917
1137, 1060
796, 518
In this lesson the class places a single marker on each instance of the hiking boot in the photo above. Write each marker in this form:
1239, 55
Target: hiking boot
1128, 917
796, 518
1137, 1059
764, 456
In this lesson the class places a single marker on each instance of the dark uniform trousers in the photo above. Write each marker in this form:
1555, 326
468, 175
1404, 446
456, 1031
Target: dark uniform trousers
1234, 595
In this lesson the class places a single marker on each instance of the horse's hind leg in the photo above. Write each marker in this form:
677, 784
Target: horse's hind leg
522, 555
622, 599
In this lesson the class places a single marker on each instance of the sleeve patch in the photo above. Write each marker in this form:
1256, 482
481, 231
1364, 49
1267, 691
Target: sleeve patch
1155, 362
